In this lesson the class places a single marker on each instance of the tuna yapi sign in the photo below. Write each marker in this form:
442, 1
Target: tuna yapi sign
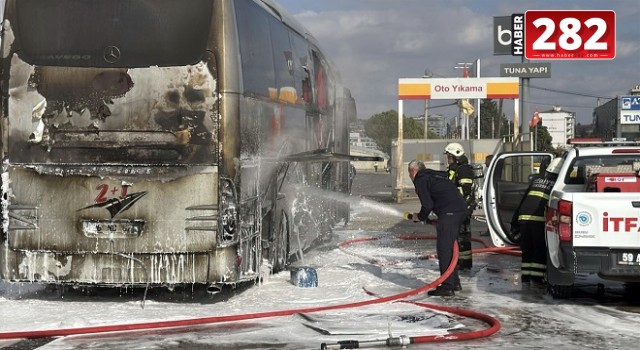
630, 110
526, 70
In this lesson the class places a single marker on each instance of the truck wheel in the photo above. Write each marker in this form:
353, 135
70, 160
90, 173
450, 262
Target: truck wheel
559, 284
560, 292
632, 290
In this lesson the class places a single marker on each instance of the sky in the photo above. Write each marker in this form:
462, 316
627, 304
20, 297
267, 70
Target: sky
376, 42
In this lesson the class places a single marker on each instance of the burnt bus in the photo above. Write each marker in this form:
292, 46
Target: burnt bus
165, 142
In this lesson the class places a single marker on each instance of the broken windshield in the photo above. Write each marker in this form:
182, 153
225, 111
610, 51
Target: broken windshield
165, 115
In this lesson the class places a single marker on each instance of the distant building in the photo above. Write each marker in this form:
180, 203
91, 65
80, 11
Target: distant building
357, 126
436, 123
606, 119
369, 165
358, 140
584, 130
561, 125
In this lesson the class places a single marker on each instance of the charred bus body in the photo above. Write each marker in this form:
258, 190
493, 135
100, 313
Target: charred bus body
162, 142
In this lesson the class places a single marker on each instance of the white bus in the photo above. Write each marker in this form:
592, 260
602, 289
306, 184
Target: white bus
164, 142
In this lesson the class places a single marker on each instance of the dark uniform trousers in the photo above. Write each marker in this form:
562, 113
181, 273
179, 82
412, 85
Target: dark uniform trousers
531, 224
464, 243
534, 251
461, 175
447, 232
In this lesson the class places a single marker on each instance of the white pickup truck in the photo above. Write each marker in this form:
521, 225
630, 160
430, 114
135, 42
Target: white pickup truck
593, 214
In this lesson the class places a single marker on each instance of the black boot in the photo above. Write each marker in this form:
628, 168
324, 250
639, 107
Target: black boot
465, 265
441, 291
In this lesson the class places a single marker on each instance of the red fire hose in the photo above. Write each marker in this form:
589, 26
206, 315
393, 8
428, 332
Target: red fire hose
494, 324
403, 341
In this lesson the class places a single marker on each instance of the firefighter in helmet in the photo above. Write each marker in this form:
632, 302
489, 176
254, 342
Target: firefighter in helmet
462, 175
528, 225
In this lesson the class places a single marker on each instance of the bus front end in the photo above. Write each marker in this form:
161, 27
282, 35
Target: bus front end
110, 146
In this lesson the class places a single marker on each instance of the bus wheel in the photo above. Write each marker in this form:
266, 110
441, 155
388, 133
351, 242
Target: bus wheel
280, 248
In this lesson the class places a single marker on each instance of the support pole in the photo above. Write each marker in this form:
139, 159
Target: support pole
399, 155
516, 119
479, 101
426, 125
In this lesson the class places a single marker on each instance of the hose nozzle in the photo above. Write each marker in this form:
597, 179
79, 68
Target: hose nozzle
407, 216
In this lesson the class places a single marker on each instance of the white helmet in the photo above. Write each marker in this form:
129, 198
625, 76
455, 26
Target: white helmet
555, 165
455, 149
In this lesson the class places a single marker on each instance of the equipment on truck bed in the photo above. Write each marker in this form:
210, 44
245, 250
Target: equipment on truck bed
613, 182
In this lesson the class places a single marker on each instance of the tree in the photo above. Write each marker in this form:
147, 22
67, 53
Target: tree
493, 123
383, 128
542, 138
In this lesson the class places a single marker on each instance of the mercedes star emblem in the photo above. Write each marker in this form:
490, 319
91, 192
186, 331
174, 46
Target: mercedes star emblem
111, 54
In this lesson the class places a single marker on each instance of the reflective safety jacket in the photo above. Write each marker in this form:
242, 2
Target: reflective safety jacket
462, 176
534, 203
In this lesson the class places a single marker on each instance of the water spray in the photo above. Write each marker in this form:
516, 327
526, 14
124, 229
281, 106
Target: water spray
351, 200
369, 204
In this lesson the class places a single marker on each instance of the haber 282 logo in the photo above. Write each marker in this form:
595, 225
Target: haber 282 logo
563, 34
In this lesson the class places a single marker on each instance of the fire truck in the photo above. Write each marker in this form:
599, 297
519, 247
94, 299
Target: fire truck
592, 221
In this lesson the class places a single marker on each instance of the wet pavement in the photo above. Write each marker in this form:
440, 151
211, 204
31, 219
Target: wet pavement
602, 314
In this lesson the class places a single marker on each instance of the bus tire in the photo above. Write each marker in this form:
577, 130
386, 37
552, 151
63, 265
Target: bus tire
280, 247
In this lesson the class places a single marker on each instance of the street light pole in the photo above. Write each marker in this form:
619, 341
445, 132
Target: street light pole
400, 154
465, 120
478, 101
426, 117
427, 74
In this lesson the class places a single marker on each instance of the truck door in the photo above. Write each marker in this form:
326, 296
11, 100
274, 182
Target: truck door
506, 181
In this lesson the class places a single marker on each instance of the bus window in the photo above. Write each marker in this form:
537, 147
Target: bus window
301, 67
63, 33
255, 49
322, 102
283, 62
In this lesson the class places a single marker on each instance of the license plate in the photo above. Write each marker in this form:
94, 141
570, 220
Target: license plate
629, 258
112, 228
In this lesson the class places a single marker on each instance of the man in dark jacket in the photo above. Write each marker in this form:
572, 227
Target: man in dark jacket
438, 194
529, 223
